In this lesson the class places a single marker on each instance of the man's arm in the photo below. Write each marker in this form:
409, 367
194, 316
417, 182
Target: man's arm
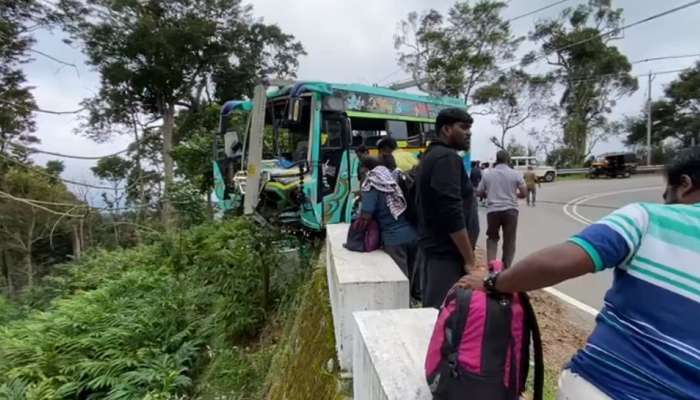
545, 268
369, 205
520, 186
605, 244
461, 240
481, 190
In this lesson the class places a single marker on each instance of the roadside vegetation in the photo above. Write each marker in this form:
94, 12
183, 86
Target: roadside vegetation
180, 316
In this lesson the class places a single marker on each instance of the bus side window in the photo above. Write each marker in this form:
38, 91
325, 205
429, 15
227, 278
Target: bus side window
397, 129
415, 135
428, 131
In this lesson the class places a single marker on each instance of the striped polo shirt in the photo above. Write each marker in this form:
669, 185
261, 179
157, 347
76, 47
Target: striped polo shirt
646, 344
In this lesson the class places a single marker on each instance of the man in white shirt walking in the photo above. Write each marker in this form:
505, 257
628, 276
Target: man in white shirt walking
502, 187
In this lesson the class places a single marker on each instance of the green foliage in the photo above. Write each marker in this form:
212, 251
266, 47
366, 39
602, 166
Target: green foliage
193, 153
189, 203
562, 157
676, 118
234, 371
235, 271
141, 323
17, 102
133, 336
8, 311
92, 271
113, 169
455, 55
594, 74
24, 224
55, 168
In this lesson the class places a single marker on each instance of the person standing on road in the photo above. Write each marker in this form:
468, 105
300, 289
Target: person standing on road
646, 343
485, 167
475, 176
444, 204
502, 186
531, 182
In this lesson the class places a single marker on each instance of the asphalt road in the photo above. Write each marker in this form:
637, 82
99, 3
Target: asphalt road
566, 207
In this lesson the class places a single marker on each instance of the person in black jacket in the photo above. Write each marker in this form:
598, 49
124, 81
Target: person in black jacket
475, 176
445, 204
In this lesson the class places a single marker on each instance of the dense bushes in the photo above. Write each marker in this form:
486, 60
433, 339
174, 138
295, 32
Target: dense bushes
141, 323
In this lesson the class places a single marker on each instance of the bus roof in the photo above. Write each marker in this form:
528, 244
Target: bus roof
365, 101
327, 88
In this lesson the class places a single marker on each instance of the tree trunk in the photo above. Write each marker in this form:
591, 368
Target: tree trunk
77, 251
28, 253
115, 227
142, 188
168, 165
7, 273
81, 233
210, 207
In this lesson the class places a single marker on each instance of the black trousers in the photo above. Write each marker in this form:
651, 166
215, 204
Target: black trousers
438, 276
404, 255
507, 221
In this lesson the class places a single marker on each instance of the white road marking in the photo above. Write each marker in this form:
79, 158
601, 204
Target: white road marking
571, 210
572, 301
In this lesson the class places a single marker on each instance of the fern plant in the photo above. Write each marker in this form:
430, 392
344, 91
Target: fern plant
134, 324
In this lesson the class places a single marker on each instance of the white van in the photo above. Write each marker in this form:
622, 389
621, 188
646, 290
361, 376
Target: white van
543, 172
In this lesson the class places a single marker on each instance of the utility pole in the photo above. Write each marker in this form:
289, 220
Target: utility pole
649, 119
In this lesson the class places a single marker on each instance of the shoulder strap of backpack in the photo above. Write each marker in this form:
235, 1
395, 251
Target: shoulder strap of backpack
457, 324
537, 345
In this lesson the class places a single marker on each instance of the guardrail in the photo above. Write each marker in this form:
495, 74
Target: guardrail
647, 169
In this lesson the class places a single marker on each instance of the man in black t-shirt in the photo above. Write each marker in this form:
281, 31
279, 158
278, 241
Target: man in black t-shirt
445, 204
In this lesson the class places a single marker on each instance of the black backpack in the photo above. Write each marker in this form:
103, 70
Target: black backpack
407, 183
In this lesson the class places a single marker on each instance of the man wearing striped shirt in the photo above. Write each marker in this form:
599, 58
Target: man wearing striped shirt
646, 344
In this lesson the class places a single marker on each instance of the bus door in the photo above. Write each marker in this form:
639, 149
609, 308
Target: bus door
334, 166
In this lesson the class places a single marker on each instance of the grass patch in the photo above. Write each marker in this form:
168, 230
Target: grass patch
571, 177
551, 378
300, 369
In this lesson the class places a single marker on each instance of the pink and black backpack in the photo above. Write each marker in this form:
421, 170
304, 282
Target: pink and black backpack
480, 348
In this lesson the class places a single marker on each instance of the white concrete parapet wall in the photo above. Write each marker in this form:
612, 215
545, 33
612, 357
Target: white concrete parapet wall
389, 354
358, 282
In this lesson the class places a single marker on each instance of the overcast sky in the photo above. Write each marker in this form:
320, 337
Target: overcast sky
352, 41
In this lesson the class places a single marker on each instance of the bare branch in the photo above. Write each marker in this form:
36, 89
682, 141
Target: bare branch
52, 58
43, 110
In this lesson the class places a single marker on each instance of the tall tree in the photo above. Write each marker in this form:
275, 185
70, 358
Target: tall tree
512, 99
453, 55
160, 55
685, 91
592, 73
676, 118
114, 170
194, 152
16, 100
